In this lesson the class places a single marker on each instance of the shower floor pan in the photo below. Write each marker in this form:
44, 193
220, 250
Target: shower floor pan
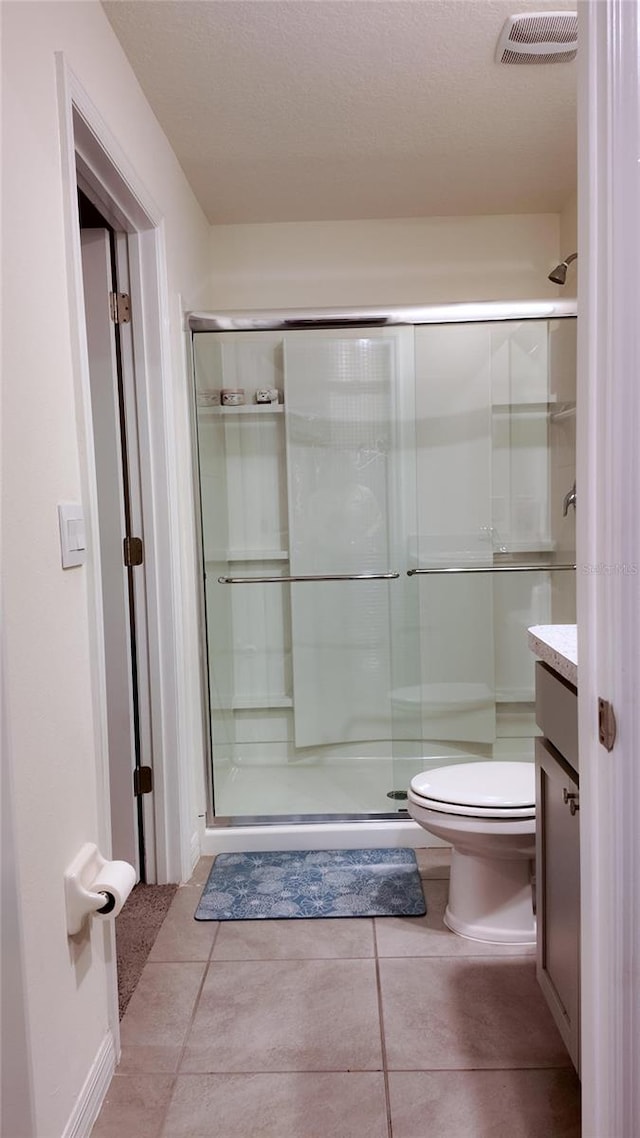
349, 789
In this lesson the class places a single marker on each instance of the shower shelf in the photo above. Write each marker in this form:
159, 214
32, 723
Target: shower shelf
542, 545
565, 411
244, 409
258, 702
534, 408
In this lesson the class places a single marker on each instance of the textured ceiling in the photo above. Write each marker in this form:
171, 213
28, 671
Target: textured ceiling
299, 110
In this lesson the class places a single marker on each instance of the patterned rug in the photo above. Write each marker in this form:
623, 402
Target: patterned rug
312, 883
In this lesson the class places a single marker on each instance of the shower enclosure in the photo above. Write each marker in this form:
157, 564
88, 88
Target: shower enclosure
375, 545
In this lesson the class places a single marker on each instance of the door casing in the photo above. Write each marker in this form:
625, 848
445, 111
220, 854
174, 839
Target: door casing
92, 158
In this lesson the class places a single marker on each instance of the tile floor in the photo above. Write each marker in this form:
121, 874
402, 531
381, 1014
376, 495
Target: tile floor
385, 1028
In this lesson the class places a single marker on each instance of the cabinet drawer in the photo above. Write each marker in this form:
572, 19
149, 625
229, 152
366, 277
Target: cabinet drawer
557, 712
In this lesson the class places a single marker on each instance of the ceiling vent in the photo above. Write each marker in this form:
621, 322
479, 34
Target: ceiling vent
539, 37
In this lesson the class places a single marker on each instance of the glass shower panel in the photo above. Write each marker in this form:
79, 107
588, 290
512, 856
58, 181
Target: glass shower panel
339, 415
244, 529
454, 456
319, 485
491, 400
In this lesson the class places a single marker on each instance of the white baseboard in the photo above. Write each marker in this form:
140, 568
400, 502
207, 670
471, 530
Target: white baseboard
195, 851
92, 1095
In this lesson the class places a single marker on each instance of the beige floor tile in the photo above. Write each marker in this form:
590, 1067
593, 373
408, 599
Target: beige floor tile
429, 936
335, 1105
485, 1104
294, 1015
434, 862
466, 1012
181, 937
145, 1059
294, 940
201, 871
160, 1012
135, 1105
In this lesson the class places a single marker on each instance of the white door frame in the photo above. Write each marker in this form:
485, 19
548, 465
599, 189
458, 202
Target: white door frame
608, 540
88, 149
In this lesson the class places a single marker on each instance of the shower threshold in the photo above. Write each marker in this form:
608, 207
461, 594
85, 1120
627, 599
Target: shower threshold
305, 819
249, 833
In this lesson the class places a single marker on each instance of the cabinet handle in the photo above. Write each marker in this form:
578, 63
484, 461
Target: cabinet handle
571, 799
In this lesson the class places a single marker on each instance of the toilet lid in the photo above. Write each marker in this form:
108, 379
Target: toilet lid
502, 788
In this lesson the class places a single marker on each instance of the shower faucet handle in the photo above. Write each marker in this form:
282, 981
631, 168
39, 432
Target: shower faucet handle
569, 500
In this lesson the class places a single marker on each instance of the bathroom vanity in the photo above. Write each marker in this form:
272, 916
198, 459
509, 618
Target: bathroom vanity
558, 828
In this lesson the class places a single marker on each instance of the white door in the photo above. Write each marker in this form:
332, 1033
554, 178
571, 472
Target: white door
608, 521
106, 415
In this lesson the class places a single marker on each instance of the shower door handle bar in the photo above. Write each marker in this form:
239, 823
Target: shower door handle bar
489, 569
308, 577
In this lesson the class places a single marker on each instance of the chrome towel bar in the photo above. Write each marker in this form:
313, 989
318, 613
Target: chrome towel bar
308, 577
393, 576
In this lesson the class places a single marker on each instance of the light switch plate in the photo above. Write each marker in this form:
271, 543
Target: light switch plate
73, 544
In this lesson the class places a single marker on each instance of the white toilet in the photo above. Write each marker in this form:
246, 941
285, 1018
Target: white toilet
486, 812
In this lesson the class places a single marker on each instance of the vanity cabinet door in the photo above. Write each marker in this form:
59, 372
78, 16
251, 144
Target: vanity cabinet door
558, 892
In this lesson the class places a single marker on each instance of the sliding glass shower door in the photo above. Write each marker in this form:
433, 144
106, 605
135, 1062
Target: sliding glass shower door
493, 553
376, 542
306, 503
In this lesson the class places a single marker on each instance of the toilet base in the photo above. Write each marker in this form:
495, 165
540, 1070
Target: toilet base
491, 899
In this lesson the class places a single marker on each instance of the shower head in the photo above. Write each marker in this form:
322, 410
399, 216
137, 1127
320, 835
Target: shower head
559, 274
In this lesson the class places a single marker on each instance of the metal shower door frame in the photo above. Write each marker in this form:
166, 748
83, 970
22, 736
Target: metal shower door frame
290, 320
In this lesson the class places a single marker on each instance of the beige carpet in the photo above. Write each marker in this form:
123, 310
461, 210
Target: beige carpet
136, 930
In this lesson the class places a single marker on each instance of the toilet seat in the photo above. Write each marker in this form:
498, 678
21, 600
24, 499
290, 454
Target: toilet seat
477, 790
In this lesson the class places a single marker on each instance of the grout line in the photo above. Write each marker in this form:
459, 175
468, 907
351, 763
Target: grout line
464, 1070
290, 1071
383, 1043
184, 1045
285, 959
213, 941
174, 1075
354, 1071
462, 956
166, 1109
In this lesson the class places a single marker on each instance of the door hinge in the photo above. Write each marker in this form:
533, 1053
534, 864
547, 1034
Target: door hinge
571, 798
142, 781
133, 551
607, 727
120, 307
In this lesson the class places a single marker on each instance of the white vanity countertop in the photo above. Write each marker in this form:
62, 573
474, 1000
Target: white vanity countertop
557, 645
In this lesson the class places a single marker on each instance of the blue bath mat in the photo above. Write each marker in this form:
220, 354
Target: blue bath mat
312, 883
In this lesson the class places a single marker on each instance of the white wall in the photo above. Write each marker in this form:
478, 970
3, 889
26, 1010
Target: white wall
569, 240
393, 262
50, 721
